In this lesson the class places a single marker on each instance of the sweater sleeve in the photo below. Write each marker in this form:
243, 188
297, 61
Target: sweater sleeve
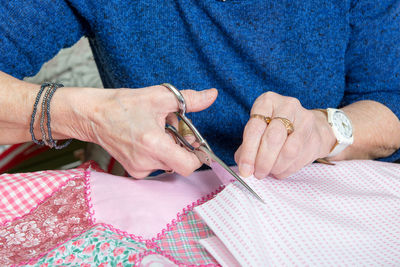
32, 32
373, 55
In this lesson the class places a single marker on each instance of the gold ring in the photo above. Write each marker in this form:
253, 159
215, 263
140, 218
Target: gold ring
169, 171
266, 119
287, 123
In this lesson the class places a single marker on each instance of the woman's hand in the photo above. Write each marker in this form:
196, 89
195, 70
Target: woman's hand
130, 125
270, 150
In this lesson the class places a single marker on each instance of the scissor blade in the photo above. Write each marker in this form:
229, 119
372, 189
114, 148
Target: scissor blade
229, 170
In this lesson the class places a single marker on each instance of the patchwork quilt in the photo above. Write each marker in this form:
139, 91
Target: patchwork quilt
85, 217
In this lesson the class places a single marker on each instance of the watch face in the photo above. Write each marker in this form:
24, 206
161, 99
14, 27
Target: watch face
342, 124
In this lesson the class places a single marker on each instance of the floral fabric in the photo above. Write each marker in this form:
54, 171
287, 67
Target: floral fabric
60, 231
97, 247
101, 246
59, 218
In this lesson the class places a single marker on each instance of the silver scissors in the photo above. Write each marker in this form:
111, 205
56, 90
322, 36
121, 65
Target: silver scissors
203, 151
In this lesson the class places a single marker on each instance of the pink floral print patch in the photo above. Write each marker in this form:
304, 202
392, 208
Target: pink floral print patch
97, 247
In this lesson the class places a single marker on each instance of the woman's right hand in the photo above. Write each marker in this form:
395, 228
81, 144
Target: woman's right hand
130, 125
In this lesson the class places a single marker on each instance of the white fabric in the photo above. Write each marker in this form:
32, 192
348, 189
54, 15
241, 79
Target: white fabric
348, 214
217, 249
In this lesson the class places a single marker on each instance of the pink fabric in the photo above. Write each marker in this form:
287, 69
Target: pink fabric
181, 240
60, 217
22, 192
145, 207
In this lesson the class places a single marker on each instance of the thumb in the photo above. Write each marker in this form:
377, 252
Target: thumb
199, 100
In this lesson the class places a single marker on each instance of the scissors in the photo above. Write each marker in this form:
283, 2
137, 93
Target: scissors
203, 151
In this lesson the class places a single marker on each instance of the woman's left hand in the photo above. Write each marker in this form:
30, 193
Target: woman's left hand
270, 150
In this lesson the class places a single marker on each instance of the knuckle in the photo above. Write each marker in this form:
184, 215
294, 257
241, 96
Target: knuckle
308, 118
291, 151
274, 136
255, 128
269, 94
188, 96
265, 98
149, 139
293, 101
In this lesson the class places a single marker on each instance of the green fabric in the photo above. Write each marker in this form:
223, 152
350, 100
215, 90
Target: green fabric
95, 247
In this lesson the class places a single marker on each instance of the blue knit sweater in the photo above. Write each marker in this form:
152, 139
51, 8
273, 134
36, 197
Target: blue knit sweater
326, 53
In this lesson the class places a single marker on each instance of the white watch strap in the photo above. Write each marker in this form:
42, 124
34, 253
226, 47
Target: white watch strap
337, 149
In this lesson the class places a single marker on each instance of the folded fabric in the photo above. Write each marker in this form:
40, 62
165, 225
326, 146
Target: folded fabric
216, 248
348, 214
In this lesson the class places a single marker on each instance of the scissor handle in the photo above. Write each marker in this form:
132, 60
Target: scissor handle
178, 137
202, 153
182, 116
179, 96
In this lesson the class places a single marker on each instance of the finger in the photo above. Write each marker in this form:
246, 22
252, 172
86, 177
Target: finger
252, 134
195, 100
139, 174
293, 151
176, 157
272, 141
141, 166
132, 171
237, 153
199, 100
172, 120
289, 153
186, 132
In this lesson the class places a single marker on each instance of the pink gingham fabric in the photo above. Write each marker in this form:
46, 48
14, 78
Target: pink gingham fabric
21, 192
181, 241
348, 214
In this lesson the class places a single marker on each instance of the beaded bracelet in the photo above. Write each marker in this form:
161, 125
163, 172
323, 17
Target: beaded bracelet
49, 141
44, 85
52, 141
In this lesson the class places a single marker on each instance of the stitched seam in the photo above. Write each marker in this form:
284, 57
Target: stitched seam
88, 196
152, 243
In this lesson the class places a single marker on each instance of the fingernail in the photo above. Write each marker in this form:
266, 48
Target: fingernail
245, 170
259, 175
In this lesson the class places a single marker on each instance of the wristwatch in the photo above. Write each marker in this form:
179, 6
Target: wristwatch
342, 128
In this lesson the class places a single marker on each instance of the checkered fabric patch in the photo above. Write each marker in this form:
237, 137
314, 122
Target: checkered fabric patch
182, 241
21, 192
